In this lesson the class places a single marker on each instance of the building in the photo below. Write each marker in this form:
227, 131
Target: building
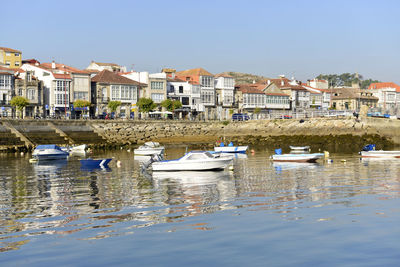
28, 86
187, 92
207, 89
62, 85
10, 58
98, 66
319, 84
224, 89
6, 91
350, 98
157, 87
319, 98
299, 96
388, 94
108, 86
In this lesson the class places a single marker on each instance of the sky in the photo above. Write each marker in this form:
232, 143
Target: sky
300, 39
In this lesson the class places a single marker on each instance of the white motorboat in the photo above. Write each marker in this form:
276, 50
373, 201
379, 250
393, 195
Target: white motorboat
49, 152
380, 154
230, 148
193, 161
149, 148
313, 157
81, 149
299, 147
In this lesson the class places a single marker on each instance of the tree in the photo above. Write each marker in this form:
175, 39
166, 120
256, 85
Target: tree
19, 102
345, 79
257, 110
171, 105
145, 104
113, 105
81, 104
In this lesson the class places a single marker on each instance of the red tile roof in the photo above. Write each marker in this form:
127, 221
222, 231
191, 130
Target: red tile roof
6, 49
194, 72
106, 76
62, 76
384, 85
225, 75
175, 80
63, 67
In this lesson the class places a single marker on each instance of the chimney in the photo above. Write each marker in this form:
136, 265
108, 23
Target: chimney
53, 65
269, 82
282, 83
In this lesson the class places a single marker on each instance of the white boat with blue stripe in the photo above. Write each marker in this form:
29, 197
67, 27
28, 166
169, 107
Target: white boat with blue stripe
49, 152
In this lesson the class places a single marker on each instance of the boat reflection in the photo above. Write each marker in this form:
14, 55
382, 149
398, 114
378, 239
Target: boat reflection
192, 177
281, 166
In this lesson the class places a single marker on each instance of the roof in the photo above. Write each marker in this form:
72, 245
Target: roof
194, 72
4, 70
225, 75
62, 76
175, 80
384, 85
106, 64
249, 89
6, 49
62, 67
350, 93
106, 76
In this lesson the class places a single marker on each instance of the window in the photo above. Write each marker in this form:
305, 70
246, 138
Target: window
181, 89
123, 92
185, 101
81, 95
16, 54
157, 97
207, 97
62, 86
8, 54
157, 85
8, 63
228, 82
207, 81
20, 91
5, 81
171, 89
30, 93
16, 63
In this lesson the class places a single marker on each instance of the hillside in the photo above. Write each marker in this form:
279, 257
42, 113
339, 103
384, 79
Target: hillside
241, 78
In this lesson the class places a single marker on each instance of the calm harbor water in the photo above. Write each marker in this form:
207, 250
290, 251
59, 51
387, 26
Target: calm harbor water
259, 214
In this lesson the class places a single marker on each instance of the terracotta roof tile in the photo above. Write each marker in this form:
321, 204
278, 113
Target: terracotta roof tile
62, 76
106, 76
384, 85
194, 72
6, 49
63, 67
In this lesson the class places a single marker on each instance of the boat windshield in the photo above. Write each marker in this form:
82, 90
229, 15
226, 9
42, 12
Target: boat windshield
195, 156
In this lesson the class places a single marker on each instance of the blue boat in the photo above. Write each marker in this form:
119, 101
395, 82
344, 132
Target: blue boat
49, 152
95, 163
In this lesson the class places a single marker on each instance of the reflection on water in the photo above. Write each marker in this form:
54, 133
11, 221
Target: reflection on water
59, 198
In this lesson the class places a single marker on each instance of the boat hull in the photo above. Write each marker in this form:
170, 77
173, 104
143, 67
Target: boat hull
148, 152
201, 165
380, 154
310, 158
300, 148
49, 154
95, 163
231, 149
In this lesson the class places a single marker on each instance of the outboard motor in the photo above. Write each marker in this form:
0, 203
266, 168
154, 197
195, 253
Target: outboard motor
369, 147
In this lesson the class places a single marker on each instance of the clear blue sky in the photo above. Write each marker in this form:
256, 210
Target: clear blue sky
301, 38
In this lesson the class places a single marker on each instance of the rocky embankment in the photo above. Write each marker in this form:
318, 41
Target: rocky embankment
332, 134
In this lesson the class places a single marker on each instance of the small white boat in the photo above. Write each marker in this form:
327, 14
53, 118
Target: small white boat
49, 152
299, 147
149, 148
380, 154
313, 157
193, 161
230, 148
81, 149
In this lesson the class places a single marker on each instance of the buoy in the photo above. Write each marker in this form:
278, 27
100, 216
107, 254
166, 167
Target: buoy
252, 151
231, 168
118, 163
326, 154
22, 153
33, 160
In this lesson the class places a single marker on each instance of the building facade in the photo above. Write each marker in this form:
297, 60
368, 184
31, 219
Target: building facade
6, 91
225, 92
10, 58
28, 86
388, 94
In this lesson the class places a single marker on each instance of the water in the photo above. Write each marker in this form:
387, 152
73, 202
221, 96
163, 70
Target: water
259, 214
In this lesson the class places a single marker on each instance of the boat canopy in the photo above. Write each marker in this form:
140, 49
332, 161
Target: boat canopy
48, 147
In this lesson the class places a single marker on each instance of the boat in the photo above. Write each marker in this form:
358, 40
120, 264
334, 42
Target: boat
230, 148
305, 157
191, 178
369, 152
299, 147
49, 152
95, 163
193, 161
76, 150
149, 148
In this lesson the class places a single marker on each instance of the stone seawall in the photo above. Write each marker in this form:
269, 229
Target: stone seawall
328, 133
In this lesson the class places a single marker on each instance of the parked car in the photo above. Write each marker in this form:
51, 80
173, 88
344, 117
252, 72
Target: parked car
240, 117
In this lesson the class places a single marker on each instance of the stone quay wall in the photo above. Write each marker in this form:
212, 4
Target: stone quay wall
323, 133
